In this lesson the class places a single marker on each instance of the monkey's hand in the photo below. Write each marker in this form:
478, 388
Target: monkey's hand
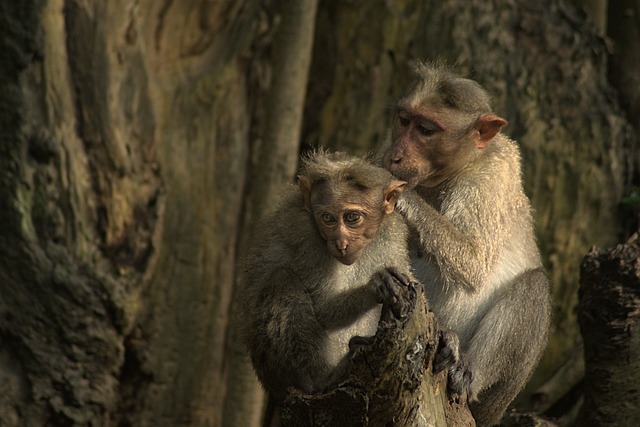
460, 374
388, 285
410, 205
358, 342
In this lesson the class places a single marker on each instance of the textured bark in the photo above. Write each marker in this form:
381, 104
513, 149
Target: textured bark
609, 315
125, 143
389, 382
596, 10
77, 226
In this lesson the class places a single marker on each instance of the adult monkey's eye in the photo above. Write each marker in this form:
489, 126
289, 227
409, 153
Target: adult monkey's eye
426, 131
427, 128
404, 118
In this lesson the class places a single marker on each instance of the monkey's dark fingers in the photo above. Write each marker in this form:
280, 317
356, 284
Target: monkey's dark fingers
359, 342
448, 352
391, 284
385, 292
399, 276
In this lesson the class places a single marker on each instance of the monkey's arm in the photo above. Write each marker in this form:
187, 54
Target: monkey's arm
462, 250
287, 342
340, 310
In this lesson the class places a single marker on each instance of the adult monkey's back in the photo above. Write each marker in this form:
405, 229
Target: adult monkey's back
474, 243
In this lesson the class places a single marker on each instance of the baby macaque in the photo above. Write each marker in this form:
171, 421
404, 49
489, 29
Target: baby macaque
319, 268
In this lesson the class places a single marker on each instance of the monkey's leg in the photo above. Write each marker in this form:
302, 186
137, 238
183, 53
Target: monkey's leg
507, 345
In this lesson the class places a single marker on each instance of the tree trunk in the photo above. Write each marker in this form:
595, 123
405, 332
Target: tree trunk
125, 146
624, 31
596, 10
609, 315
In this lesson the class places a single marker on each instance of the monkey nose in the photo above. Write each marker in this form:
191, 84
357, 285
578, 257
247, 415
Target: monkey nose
342, 247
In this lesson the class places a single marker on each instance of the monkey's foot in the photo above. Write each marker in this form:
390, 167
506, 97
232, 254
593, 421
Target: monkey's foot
448, 357
460, 379
448, 352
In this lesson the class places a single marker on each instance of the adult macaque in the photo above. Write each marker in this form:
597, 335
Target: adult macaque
473, 243
321, 265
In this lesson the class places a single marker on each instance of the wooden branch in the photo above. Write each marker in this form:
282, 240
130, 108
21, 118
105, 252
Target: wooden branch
566, 378
284, 106
390, 380
609, 317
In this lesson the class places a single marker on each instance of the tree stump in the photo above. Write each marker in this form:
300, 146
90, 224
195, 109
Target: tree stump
389, 381
609, 317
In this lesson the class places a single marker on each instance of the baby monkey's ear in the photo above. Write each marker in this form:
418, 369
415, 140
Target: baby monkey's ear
305, 187
391, 195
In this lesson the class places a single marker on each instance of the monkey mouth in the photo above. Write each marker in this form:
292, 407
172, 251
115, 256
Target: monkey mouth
409, 177
402, 172
348, 258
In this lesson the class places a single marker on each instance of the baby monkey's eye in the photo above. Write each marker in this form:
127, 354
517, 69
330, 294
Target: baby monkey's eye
352, 217
327, 218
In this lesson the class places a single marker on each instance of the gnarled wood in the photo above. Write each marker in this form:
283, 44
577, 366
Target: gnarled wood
609, 316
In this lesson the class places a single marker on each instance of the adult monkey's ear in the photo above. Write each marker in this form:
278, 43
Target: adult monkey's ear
486, 127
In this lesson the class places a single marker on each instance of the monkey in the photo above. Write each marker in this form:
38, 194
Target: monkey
320, 266
472, 238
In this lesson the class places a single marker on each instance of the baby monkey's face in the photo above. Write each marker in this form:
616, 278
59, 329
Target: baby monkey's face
348, 208
347, 227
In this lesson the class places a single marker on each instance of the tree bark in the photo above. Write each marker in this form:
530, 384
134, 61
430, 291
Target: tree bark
624, 31
609, 316
596, 10
125, 146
